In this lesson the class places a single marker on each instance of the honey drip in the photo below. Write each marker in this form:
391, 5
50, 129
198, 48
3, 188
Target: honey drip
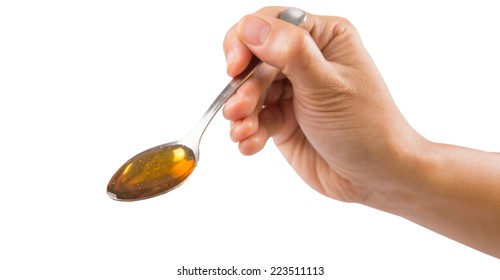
152, 172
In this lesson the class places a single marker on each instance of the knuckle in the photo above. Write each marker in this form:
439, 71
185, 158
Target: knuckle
344, 22
298, 42
343, 26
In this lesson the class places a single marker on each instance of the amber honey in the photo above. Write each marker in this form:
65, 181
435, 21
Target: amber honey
152, 172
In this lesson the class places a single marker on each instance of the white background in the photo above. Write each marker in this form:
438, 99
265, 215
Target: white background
85, 85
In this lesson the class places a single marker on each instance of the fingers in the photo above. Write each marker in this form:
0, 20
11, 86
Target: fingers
249, 125
294, 54
243, 108
253, 131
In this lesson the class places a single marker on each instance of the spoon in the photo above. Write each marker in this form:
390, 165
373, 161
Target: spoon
162, 168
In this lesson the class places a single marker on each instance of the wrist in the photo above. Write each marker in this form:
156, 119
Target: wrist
409, 158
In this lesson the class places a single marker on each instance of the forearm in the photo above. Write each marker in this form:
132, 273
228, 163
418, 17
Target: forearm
457, 194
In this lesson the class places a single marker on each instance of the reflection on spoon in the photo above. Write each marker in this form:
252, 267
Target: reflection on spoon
165, 167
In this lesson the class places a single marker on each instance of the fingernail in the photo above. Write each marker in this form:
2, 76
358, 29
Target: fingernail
254, 30
230, 58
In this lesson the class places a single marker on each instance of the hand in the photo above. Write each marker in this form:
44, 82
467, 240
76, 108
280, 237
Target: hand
328, 110
322, 101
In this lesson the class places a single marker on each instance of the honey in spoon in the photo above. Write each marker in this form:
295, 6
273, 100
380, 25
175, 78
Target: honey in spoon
152, 172
165, 167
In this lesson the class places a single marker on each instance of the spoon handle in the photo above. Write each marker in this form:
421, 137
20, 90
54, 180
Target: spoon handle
291, 15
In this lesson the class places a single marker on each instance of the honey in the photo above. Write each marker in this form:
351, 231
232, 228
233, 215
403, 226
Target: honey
152, 172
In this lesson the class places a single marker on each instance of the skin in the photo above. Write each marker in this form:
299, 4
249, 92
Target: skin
323, 102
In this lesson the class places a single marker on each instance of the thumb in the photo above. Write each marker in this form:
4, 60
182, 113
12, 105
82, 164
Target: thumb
284, 46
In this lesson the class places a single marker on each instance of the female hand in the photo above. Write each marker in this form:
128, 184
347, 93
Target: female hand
328, 110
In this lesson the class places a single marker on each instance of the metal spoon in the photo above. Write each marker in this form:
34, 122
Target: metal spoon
162, 168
